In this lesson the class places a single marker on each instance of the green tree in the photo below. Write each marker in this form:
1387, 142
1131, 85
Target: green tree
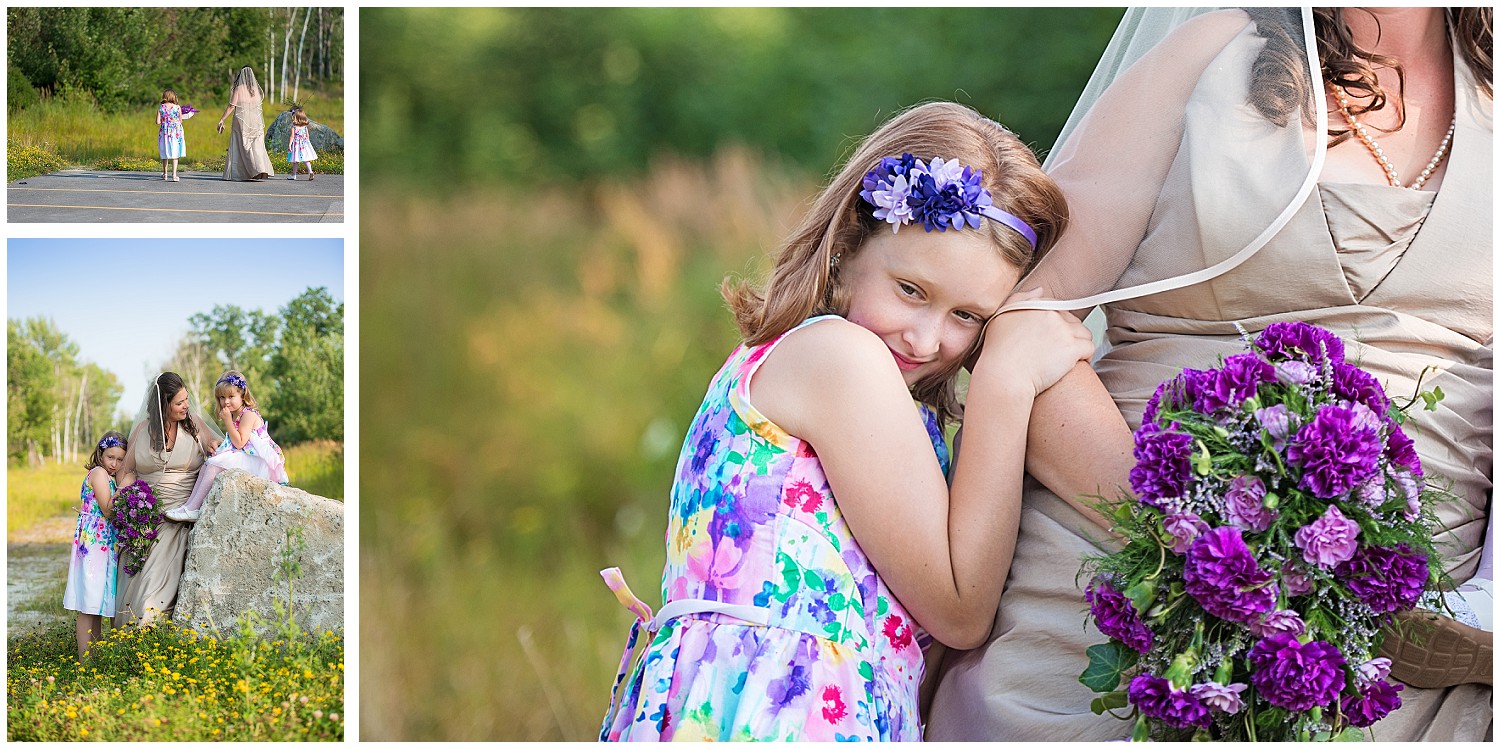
308, 365
31, 397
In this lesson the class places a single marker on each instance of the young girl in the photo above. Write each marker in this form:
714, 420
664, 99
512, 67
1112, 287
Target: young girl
247, 445
299, 150
813, 541
91, 566
170, 141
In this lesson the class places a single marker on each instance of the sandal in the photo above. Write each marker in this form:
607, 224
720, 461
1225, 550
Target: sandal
1429, 650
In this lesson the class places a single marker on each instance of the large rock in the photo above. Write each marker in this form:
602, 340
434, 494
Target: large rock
323, 137
237, 545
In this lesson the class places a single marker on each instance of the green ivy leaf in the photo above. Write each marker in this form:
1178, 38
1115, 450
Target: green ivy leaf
1107, 663
1112, 701
1350, 734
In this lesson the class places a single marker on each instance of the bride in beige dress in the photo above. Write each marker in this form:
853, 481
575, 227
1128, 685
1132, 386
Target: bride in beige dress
167, 447
247, 158
1204, 197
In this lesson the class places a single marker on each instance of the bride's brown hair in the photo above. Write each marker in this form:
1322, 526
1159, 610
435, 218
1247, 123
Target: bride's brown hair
1278, 86
803, 282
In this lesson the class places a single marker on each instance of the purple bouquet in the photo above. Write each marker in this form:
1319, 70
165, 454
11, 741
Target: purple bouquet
1280, 519
136, 520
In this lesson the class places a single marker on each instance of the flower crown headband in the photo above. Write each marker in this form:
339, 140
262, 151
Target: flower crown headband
232, 379
111, 441
940, 195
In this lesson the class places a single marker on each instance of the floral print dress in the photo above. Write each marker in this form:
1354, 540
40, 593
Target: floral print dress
299, 147
170, 141
260, 456
93, 561
779, 627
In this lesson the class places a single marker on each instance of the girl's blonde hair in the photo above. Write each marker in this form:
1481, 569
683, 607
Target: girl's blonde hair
169, 97
802, 283
299, 118
96, 458
223, 387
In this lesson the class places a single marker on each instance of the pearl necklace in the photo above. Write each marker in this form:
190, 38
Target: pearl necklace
1390, 169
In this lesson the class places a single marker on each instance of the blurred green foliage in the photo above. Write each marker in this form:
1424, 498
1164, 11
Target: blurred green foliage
464, 96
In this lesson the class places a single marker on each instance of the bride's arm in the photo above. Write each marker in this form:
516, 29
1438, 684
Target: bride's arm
1078, 444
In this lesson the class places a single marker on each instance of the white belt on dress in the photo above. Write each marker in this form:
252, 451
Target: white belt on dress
651, 624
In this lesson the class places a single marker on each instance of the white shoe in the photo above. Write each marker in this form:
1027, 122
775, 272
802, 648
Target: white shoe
292, 177
175, 178
183, 514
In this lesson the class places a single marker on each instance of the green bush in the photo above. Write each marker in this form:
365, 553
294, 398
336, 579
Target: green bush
29, 161
19, 92
129, 164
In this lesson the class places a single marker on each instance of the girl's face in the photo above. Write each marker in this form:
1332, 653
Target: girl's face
926, 294
232, 400
177, 410
112, 459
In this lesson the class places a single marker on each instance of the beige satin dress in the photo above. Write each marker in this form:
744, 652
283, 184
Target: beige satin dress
150, 594
247, 155
1406, 278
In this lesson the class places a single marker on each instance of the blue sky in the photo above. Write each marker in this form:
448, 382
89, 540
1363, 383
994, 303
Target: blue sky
126, 302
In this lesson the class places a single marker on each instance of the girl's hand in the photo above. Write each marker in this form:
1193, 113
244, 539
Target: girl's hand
1036, 347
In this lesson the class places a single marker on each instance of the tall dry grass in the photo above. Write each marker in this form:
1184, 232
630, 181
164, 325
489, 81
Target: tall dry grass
530, 363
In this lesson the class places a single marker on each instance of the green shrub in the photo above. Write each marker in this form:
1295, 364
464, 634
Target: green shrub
18, 90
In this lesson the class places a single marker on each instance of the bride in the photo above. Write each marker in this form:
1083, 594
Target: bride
247, 158
166, 450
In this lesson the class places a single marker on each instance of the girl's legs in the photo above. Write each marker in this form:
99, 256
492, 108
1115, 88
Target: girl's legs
174, 170
164, 169
90, 629
310, 175
188, 512
293, 175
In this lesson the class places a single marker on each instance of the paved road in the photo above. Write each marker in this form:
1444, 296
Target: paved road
84, 196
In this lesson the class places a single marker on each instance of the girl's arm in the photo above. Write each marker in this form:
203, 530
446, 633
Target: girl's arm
241, 436
99, 482
944, 553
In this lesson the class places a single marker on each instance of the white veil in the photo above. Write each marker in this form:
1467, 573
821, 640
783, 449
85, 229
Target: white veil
246, 77
150, 413
1178, 107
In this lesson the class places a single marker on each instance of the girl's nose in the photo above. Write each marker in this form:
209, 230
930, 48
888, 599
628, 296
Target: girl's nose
923, 336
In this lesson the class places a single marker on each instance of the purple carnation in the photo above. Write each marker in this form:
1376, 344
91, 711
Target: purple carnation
1157, 699
1337, 450
1371, 703
1245, 504
1297, 340
1183, 528
1355, 384
1328, 540
1278, 422
1224, 698
1223, 578
1295, 372
1283, 620
1115, 616
1230, 385
1375, 669
1401, 452
1295, 675
1386, 579
1411, 486
1162, 469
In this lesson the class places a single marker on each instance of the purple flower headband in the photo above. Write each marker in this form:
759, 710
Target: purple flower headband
111, 441
939, 195
232, 379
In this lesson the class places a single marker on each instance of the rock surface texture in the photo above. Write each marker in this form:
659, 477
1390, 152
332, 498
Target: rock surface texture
242, 539
323, 137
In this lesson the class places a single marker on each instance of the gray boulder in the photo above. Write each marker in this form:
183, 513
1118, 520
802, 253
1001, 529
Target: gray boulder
323, 137
237, 545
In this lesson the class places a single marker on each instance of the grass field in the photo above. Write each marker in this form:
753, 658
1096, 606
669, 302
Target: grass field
541, 376
77, 134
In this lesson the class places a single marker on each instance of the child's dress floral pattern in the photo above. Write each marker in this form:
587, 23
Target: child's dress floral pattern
260, 456
170, 141
300, 148
93, 560
753, 523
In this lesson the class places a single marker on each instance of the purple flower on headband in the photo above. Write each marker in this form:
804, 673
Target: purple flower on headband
938, 194
232, 379
111, 441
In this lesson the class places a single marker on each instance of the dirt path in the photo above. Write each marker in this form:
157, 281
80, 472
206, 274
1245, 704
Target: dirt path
35, 574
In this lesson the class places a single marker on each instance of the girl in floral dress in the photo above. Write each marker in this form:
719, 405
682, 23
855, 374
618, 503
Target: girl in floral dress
813, 541
247, 445
171, 144
299, 148
93, 563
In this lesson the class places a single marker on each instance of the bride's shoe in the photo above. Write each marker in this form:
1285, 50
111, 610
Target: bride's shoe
183, 515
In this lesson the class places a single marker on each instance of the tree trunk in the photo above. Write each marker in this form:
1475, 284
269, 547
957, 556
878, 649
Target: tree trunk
301, 40
286, 46
83, 386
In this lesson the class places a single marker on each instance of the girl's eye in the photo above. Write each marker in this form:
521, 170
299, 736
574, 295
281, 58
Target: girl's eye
908, 289
967, 316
